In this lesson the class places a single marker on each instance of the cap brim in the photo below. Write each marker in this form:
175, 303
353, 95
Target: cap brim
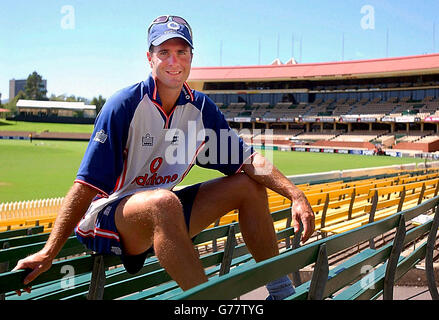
168, 36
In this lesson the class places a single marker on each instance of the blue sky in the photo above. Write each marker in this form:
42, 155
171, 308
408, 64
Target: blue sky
92, 47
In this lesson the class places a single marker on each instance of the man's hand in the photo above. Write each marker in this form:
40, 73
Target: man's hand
73, 208
38, 263
301, 211
264, 172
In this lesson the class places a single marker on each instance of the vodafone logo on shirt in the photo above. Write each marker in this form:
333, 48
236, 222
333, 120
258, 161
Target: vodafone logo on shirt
154, 179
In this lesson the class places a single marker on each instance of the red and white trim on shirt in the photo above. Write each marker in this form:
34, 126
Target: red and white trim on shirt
92, 186
121, 179
167, 117
154, 94
189, 90
97, 232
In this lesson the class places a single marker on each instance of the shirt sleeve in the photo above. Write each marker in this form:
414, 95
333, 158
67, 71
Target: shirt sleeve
224, 150
103, 160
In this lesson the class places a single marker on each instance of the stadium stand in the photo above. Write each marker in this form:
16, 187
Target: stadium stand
232, 272
429, 138
358, 136
343, 109
413, 136
396, 96
316, 136
343, 281
374, 108
386, 140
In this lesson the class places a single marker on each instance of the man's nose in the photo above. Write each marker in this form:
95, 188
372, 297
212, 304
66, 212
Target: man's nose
172, 58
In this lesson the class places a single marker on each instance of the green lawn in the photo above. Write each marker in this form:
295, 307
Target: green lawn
46, 169
43, 169
6, 125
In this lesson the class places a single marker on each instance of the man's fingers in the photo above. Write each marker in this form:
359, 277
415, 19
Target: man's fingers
296, 225
32, 269
27, 289
19, 266
33, 274
307, 223
33, 266
308, 228
298, 228
306, 233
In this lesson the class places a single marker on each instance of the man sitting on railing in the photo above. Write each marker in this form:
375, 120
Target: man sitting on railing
146, 139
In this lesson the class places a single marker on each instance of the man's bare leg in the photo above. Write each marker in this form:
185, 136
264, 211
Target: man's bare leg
217, 197
156, 218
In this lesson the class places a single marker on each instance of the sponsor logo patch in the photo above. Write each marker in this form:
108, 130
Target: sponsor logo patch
100, 136
147, 140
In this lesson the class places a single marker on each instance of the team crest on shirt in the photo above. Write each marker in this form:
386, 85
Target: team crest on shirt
147, 140
100, 136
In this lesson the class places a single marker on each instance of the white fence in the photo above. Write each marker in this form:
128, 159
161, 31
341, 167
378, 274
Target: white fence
30, 208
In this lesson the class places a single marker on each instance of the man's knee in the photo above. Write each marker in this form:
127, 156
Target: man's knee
252, 189
163, 202
163, 199
147, 214
155, 205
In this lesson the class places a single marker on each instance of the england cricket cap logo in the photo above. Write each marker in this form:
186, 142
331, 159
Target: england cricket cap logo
161, 32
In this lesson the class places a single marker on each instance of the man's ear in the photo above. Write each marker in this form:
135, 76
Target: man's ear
149, 56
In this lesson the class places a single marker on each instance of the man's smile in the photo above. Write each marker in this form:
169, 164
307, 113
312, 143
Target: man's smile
173, 73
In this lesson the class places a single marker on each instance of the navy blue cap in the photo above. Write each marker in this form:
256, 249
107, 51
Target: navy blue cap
160, 32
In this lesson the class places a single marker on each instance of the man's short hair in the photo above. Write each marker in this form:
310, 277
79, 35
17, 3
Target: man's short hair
151, 48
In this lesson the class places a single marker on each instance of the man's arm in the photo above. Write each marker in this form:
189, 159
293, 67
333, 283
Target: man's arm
73, 208
264, 172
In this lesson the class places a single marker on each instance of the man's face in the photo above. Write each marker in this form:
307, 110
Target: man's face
171, 63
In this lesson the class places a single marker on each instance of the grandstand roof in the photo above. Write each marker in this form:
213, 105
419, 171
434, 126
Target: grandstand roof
54, 105
420, 64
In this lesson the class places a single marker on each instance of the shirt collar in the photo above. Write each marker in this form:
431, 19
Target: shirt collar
186, 94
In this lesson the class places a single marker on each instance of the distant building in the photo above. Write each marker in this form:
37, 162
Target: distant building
56, 108
54, 111
16, 85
